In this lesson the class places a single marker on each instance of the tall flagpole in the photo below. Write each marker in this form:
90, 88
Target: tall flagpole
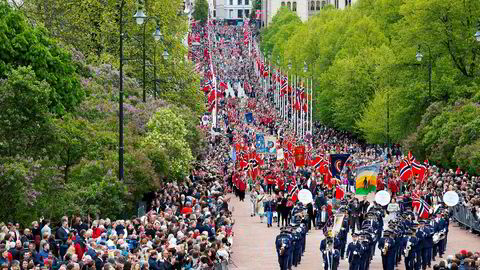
311, 108
295, 120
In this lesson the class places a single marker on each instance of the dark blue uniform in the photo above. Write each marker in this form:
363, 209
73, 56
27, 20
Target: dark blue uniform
388, 258
410, 257
331, 259
419, 248
427, 246
283, 244
354, 255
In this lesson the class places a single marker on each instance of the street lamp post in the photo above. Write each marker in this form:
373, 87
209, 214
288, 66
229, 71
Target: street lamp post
139, 16
419, 57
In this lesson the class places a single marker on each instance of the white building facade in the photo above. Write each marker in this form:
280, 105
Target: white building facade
303, 8
232, 9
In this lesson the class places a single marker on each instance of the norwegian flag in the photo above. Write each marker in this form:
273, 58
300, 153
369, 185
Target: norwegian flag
421, 207
284, 85
293, 190
405, 170
417, 167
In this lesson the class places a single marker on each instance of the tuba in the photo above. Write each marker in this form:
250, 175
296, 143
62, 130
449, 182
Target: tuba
385, 248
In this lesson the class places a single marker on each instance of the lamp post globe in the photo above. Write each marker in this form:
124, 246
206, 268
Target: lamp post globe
477, 35
419, 56
165, 54
140, 16
305, 66
289, 65
157, 35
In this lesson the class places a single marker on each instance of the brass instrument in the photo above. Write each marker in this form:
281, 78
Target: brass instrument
385, 249
282, 250
438, 236
408, 248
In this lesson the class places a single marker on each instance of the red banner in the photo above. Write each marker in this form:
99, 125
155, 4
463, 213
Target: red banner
299, 153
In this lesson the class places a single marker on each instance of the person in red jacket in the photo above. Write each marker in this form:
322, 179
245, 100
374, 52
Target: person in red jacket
242, 186
80, 245
187, 209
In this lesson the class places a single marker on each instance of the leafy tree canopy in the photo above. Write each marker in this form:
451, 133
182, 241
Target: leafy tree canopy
24, 45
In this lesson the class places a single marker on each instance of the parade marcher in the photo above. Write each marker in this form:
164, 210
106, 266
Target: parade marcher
354, 253
386, 246
409, 250
331, 256
283, 244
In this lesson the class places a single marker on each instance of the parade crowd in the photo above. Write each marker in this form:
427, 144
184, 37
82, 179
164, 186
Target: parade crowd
189, 225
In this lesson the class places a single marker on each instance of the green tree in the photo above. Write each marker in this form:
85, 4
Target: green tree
25, 119
24, 45
200, 11
167, 145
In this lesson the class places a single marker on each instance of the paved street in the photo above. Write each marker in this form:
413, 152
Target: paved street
254, 244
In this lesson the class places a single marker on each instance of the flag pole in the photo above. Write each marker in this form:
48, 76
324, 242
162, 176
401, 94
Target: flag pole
311, 108
295, 120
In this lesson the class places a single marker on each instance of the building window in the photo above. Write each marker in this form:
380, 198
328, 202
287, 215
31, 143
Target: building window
246, 3
231, 2
294, 7
214, 13
239, 2
283, 3
289, 5
240, 13
323, 4
348, 3
336, 4
230, 13
312, 5
247, 12
318, 5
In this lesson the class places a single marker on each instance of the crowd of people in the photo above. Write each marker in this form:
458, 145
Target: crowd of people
188, 226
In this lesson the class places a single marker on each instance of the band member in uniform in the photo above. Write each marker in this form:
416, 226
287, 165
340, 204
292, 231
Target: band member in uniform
283, 244
354, 253
386, 246
331, 256
409, 250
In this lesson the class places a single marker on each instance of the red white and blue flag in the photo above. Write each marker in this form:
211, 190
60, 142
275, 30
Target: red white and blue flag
421, 207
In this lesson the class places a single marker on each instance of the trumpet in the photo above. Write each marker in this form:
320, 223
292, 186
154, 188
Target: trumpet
408, 248
385, 249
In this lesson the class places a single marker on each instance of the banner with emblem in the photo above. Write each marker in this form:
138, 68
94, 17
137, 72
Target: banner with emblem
337, 161
366, 179
260, 143
271, 144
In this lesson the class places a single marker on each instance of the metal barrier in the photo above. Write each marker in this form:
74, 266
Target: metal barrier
465, 217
